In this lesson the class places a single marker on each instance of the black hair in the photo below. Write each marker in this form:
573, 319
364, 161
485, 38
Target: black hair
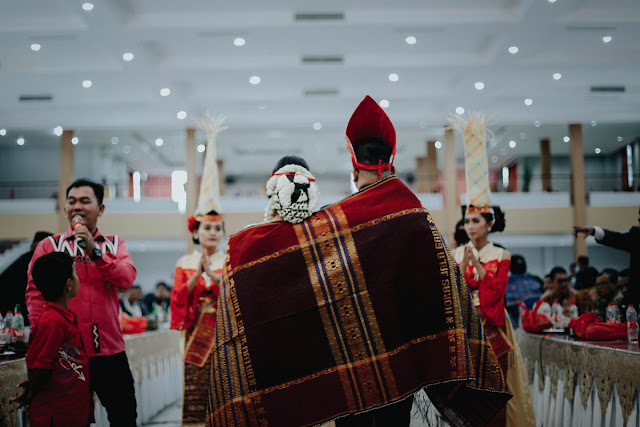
518, 264
136, 287
555, 271
497, 217
612, 273
50, 273
583, 260
98, 189
195, 238
372, 150
624, 273
460, 235
290, 160
162, 284
587, 277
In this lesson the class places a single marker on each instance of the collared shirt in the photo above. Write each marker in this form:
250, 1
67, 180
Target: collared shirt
56, 346
96, 306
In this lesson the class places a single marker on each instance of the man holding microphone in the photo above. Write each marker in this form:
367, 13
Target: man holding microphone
103, 266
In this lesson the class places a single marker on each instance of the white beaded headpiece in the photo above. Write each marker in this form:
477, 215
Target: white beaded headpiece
293, 194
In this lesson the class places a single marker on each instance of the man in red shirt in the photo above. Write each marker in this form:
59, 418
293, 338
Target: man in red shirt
103, 266
58, 387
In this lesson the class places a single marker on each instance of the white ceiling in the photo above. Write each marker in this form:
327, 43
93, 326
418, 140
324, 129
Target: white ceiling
187, 46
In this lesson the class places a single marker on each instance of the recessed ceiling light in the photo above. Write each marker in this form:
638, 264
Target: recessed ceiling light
460, 110
494, 159
552, 1
181, 115
57, 130
384, 103
423, 124
606, 39
114, 140
513, 50
566, 139
159, 142
393, 77
20, 141
503, 151
127, 56
87, 6
537, 123
165, 91
528, 101
3, 132
593, 123
317, 125
254, 80
512, 144
74, 140
239, 41
262, 107
87, 83
597, 150
411, 40
438, 145
126, 149
619, 138
479, 85
523, 135
201, 148
557, 76
35, 47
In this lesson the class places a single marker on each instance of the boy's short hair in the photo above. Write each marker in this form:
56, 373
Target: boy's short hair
50, 273
372, 150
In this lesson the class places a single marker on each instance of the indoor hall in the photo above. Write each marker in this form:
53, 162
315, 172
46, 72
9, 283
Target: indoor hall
116, 93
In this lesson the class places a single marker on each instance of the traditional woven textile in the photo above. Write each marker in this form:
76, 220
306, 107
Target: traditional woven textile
358, 306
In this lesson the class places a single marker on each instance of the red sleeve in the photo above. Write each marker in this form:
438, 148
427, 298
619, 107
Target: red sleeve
33, 297
181, 317
117, 269
45, 344
491, 290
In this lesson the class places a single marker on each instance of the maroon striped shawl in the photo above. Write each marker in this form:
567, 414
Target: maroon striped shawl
356, 307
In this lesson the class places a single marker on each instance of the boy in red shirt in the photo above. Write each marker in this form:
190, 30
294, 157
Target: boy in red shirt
58, 367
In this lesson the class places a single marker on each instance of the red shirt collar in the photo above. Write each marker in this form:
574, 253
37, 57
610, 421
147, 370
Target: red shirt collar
65, 313
97, 236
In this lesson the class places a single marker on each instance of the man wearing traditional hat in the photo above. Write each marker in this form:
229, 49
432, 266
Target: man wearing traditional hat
485, 267
352, 309
194, 295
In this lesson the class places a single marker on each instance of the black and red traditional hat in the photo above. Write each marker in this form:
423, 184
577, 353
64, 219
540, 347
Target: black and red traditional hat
370, 121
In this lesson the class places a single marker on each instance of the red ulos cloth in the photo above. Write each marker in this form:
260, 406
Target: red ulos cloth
588, 326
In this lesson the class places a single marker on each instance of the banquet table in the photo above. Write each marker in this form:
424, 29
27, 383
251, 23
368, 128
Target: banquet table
582, 383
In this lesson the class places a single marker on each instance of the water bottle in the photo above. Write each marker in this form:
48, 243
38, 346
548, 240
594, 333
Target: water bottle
632, 325
545, 310
557, 315
613, 313
18, 326
573, 311
8, 323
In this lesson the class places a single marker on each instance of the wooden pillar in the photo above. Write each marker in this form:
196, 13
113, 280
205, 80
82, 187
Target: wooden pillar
192, 179
221, 178
451, 202
431, 168
64, 178
545, 164
578, 193
421, 186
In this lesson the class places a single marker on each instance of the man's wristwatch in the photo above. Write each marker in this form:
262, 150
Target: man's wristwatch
97, 253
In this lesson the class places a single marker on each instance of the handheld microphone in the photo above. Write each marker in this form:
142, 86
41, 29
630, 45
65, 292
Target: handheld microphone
76, 221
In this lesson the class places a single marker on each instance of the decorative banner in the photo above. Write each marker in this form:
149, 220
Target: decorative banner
209, 197
475, 158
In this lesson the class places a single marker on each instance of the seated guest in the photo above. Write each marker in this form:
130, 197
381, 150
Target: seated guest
606, 292
623, 288
521, 287
162, 296
558, 290
131, 304
586, 276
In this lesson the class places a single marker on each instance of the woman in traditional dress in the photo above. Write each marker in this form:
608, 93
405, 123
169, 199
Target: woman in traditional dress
194, 301
486, 270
